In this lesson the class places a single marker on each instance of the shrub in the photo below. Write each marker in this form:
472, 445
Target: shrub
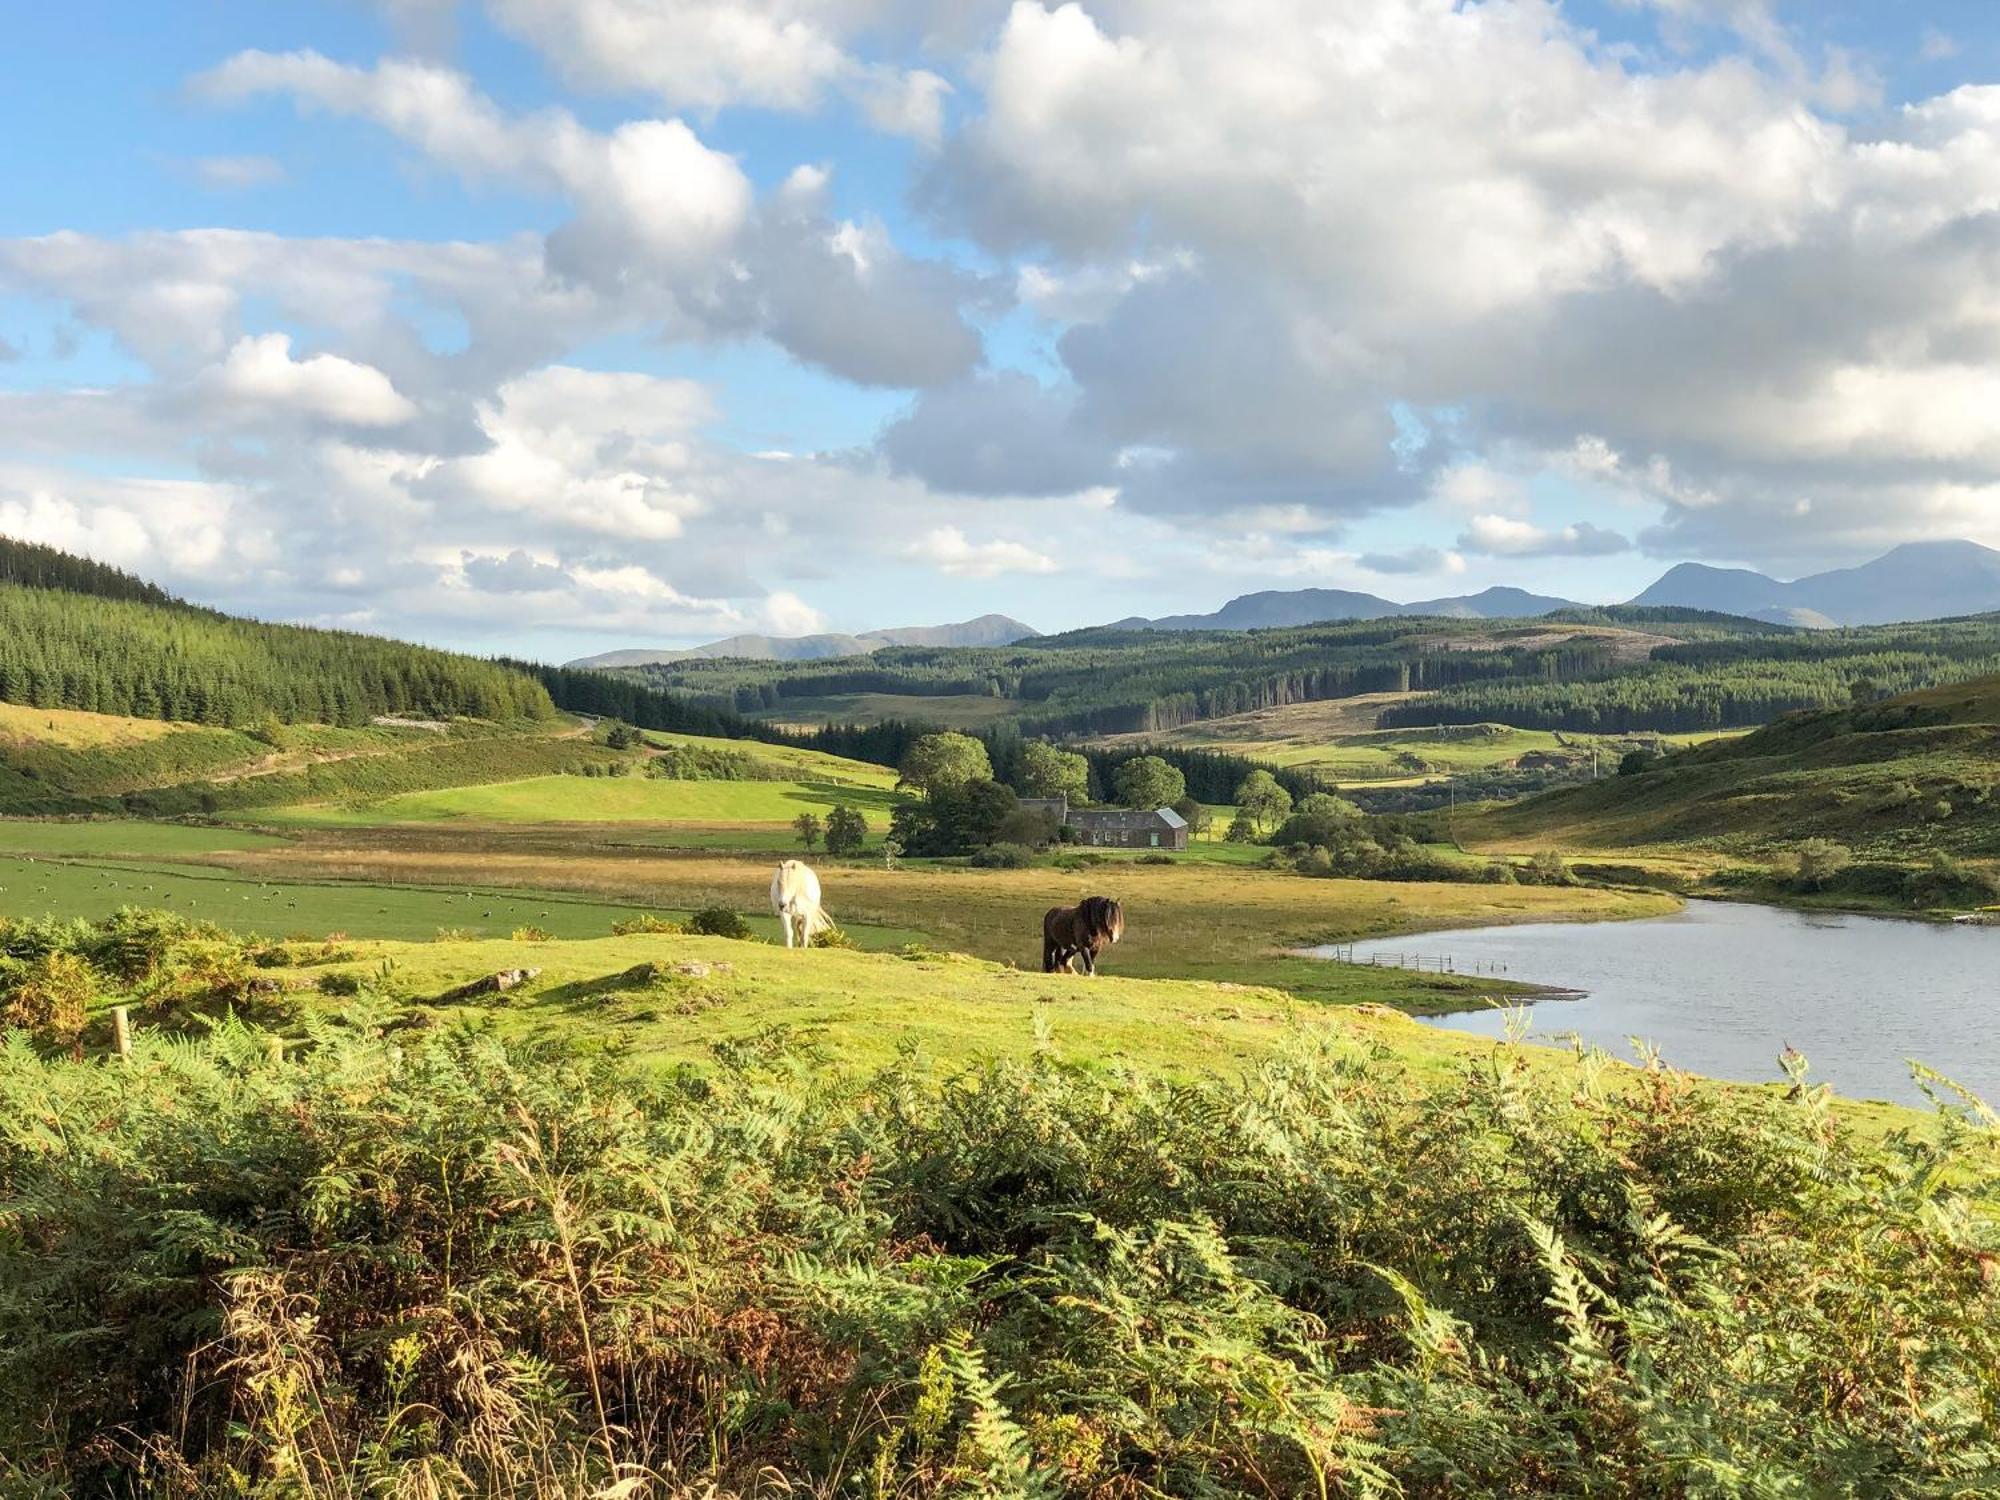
532, 934
49, 998
340, 982
1154, 859
451, 1266
1004, 857
644, 922
1498, 872
719, 921
1544, 867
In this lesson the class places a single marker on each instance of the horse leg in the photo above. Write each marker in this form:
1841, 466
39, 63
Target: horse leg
785, 921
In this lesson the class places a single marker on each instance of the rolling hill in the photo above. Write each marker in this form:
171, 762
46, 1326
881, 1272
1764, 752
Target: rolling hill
1900, 779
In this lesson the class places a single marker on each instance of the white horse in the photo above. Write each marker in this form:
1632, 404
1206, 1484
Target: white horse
795, 901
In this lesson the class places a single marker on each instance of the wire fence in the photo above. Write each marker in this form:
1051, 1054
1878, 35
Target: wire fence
1422, 963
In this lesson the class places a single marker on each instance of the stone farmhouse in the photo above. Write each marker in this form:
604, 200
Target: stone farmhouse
1115, 827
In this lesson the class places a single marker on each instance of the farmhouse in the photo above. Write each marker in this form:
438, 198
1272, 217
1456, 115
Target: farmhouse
1115, 827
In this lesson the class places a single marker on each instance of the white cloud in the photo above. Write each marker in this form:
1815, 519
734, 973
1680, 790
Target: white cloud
260, 374
705, 54
1508, 536
664, 226
950, 551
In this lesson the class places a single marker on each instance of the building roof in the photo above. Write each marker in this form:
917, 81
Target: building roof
1125, 818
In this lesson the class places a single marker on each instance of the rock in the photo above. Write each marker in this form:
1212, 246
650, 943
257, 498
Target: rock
492, 984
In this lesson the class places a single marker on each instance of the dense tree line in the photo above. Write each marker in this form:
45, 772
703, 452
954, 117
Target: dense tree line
1671, 697
1113, 682
62, 649
34, 566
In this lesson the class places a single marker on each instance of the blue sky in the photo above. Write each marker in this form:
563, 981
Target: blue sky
556, 325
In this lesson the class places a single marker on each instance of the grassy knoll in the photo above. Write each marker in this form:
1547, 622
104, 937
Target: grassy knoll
73, 762
796, 763
1899, 780
1185, 921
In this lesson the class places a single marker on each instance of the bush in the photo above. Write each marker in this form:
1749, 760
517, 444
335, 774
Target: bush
452, 1266
531, 935
1004, 857
1154, 859
644, 922
719, 921
1544, 867
1498, 872
49, 998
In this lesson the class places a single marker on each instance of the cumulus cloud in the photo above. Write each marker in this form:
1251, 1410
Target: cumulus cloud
1412, 560
950, 551
1480, 209
1508, 536
664, 225
704, 54
261, 374
997, 434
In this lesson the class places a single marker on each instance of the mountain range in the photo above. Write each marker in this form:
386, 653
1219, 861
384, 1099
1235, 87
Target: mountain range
1916, 581
987, 630
1275, 608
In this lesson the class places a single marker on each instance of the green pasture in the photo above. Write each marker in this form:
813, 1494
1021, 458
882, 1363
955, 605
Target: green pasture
606, 799
276, 908
118, 836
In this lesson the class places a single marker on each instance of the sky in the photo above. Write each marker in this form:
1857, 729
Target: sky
547, 327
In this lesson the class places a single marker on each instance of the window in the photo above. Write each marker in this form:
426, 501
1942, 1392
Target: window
1156, 841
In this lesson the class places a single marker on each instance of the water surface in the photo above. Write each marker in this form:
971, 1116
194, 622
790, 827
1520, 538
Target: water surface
1722, 988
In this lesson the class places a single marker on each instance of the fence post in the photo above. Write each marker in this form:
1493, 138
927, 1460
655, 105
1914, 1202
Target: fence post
121, 1029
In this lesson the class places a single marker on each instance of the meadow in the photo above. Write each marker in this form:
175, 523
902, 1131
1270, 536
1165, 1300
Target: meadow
1193, 920
1340, 741
621, 799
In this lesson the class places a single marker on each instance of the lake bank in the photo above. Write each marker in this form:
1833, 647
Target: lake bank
1725, 988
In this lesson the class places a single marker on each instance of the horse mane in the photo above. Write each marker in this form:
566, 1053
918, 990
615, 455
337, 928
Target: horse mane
1099, 918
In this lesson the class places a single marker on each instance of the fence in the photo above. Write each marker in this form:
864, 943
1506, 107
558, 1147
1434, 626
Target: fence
1422, 963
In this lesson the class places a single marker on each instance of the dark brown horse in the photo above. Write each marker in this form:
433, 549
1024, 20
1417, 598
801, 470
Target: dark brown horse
1081, 931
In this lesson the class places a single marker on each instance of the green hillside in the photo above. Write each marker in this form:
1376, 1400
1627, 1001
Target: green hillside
76, 645
1903, 778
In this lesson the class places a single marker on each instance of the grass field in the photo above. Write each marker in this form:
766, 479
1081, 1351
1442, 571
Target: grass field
863, 1008
1338, 738
717, 805
804, 765
121, 836
69, 729
95, 888
1190, 920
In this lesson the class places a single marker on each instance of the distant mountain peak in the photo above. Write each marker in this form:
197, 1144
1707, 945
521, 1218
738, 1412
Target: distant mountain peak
1275, 608
1925, 580
986, 630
